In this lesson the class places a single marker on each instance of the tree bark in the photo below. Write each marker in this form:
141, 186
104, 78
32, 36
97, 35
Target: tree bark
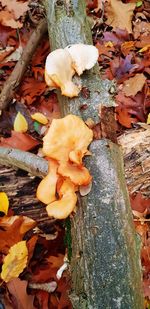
105, 263
136, 149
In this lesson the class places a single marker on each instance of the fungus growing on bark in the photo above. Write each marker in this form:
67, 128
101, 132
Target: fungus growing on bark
79, 175
65, 144
63, 207
67, 139
46, 191
83, 56
59, 72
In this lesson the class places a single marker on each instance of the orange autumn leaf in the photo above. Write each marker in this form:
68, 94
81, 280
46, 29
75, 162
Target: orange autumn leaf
67, 135
31, 89
79, 175
126, 47
10, 236
22, 141
124, 118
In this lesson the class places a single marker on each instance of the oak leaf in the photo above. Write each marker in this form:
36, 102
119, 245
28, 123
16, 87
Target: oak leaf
134, 84
119, 14
15, 261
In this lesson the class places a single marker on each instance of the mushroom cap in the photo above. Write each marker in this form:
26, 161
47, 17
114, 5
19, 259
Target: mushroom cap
79, 175
83, 56
67, 135
46, 191
62, 208
59, 72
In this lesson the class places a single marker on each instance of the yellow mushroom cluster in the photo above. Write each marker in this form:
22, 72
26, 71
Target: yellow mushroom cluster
65, 145
62, 64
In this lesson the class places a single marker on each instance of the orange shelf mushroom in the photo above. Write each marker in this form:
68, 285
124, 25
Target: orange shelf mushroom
63, 207
79, 175
65, 144
46, 191
67, 138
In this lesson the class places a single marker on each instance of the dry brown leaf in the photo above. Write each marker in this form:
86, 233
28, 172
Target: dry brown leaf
17, 8
7, 19
134, 84
17, 288
119, 14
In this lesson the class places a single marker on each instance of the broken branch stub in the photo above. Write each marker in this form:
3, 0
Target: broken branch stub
105, 262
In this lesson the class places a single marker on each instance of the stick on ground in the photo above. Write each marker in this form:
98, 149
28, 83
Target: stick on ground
16, 76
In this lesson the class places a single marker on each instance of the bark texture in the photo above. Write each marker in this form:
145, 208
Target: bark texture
105, 262
136, 148
21, 190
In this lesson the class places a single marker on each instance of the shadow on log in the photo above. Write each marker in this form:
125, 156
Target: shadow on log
105, 261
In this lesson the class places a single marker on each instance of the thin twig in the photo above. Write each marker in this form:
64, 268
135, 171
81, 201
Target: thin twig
16, 76
24, 160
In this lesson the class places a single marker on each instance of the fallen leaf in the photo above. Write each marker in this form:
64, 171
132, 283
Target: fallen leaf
15, 261
10, 235
18, 9
139, 203
4, 202
124, 117
134, 85
31, 89
5, 52
40, 118
18, 288
22, 141
7, 19
119, 14
20, 123
126, 47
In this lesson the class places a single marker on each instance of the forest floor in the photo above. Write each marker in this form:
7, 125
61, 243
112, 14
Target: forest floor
123, 42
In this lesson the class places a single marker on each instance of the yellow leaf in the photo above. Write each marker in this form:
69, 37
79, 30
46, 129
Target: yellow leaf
109, 44
20, 123
145, 48
4, 202
15, 261
148, 119
40, 118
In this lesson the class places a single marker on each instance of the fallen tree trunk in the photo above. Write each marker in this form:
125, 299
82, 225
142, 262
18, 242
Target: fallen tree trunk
105, 261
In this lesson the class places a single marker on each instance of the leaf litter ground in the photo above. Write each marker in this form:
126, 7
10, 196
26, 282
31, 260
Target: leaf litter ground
121, 32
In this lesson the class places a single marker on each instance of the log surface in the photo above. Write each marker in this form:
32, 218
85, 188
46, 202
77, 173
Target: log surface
105, 259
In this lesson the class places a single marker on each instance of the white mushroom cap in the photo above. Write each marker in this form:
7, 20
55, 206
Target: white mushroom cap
59, 72
83, 56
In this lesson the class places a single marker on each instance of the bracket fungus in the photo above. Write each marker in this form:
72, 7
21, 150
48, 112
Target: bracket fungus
65, 144
46, 191
67, 139
63, 207
62, 64
84, 57
59, 72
